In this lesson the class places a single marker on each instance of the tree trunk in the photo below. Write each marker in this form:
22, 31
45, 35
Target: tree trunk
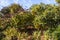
42, 34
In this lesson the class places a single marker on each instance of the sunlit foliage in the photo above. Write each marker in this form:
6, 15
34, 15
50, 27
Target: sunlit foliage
58, 1
44, 18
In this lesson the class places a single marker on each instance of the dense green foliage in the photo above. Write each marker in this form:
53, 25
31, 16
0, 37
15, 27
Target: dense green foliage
45, 18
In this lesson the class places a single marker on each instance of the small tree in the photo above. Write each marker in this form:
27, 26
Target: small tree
48, 20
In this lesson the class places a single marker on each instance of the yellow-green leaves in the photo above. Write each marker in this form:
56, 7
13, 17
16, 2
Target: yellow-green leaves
37, 9
58, 1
